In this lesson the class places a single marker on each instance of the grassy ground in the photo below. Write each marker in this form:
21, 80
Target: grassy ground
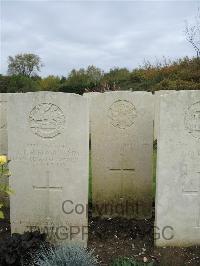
90, 179
154, 171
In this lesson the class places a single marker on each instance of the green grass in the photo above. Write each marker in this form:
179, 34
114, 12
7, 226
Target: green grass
90, 178
154, 171
4, 170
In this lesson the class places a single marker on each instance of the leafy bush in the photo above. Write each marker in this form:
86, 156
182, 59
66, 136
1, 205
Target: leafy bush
181, 74
19, 83
78, 89
64, 256
50, 83
129, 262
4, 189
14, 249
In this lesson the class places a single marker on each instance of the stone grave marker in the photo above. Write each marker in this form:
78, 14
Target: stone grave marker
178, 170
90, 96
48, 148
122, 148
3, 124
157, 96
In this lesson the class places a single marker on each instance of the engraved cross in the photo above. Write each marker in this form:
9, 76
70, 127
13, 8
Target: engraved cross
47, 188
196, 193
122, 170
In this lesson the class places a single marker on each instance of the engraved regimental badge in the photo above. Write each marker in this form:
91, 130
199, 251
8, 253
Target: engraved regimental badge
122, 114
192, 120
46, 120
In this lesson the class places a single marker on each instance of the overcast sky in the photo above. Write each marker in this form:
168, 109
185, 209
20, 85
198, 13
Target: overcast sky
106, 34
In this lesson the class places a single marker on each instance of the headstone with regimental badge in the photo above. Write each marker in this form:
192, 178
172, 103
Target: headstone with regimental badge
48, 148
178, 170
3, 124
122, 148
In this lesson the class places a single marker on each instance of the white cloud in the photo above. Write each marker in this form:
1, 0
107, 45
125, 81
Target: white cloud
70, 35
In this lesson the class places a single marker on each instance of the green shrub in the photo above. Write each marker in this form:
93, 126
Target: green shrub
19, 83
64, 256
4, 189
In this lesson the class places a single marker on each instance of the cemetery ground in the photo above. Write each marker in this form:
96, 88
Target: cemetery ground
111, 239
118, 238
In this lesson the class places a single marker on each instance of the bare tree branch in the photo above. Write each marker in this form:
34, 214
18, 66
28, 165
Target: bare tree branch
192, 33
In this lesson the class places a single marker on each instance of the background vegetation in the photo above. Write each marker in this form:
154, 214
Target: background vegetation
183, 74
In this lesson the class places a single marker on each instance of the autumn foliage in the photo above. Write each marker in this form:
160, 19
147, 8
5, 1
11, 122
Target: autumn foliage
182, 74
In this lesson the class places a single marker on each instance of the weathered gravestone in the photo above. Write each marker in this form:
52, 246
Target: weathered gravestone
89, 96
3, 124
178, 170
157, 96
3, 142
48, 147
122, 145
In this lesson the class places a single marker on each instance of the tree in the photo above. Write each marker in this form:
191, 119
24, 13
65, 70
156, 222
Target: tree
76, 82
19, 83
24, 64
94, 74
116, 79
192, 33
4, 83
82, 80
78, 78
50, 83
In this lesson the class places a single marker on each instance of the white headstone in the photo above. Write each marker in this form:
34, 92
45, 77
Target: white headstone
178, 170
3, 124
122, 148
48, 148
3, 142
157, 96
90, 96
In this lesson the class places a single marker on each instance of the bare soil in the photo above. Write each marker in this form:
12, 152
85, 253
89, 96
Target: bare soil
114, 238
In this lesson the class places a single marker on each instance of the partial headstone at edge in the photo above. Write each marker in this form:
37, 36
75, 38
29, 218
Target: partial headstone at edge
178, 170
